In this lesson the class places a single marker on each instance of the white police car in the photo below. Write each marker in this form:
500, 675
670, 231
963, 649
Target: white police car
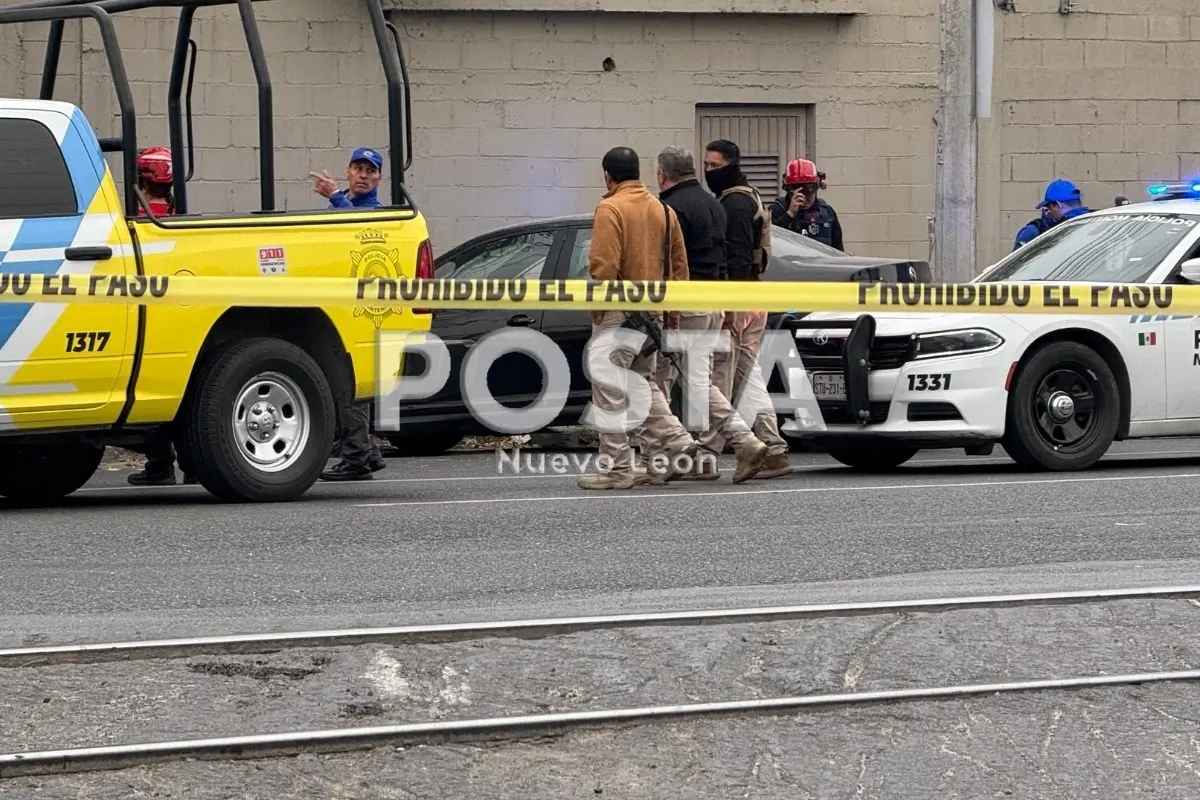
1054, 390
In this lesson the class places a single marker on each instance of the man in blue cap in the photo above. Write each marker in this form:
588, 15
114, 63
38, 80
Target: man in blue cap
360, 456
1063, 201
362, 175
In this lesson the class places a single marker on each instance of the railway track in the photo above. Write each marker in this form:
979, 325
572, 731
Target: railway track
84, 759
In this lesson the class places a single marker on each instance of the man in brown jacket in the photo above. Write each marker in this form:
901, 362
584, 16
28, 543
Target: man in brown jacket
628, 234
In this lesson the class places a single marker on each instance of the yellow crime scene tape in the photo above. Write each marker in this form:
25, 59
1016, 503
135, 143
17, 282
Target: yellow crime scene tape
567, 295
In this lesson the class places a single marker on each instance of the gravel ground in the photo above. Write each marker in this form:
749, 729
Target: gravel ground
1078, 743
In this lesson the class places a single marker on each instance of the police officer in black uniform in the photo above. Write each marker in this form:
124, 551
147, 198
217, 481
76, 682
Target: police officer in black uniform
801, 211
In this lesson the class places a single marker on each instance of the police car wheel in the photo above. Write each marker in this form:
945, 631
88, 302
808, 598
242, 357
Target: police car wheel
35, 474
1064, 409
258, 423
875, 456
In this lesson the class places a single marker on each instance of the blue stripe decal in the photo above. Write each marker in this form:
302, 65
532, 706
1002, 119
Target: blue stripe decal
81, 161
12, 314
37, 234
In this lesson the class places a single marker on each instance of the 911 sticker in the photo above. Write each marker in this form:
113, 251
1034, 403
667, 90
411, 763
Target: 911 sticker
928, 383
272, 261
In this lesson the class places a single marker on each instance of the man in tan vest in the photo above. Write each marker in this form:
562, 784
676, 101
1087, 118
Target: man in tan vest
637, 237
747, 250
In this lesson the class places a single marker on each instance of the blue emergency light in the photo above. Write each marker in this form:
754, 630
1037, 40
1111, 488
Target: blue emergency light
1175, 191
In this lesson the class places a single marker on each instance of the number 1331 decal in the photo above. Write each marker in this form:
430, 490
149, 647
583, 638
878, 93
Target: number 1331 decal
928, 383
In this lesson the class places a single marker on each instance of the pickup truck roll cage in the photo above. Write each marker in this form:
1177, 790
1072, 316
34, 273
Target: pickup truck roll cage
56, 12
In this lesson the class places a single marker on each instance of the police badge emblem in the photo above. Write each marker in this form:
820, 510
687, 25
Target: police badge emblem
375, 260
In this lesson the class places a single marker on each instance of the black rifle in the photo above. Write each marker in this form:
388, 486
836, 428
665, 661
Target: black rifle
648, 323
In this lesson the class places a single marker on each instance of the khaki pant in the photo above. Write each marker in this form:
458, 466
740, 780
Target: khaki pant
739, 367
721, 414
662, 430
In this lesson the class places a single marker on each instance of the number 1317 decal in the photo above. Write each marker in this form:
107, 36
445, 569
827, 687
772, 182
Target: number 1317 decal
928, 383
87, 341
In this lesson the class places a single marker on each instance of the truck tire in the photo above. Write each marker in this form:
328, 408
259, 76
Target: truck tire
1064, 409
258, 422
37, 474
876, 456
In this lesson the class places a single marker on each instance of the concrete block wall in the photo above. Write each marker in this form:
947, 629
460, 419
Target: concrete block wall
1106, 96
514, 111
327, 84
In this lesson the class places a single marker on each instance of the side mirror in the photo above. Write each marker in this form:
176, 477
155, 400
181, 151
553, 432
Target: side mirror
1190, 270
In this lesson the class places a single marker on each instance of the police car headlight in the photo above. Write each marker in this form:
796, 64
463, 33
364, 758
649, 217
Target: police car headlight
957, 343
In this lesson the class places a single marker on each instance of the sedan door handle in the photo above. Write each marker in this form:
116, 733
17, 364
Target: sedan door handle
100, 253
520, 319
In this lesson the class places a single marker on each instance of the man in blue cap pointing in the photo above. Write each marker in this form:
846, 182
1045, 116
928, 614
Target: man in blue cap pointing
360, 456
362, 175
1063, 201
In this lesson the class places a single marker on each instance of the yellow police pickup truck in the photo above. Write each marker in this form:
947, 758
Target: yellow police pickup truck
250, 396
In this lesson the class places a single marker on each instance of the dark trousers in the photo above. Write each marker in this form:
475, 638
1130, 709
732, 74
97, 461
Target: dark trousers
358, 442
160, 455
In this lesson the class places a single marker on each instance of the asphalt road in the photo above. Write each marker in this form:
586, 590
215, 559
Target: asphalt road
448, 538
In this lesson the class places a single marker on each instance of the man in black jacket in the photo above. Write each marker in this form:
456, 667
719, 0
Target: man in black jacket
703, 222
747, 251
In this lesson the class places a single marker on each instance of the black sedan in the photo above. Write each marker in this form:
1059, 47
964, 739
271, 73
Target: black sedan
556, 249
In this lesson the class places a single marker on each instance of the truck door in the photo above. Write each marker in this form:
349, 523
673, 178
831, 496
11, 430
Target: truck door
60, 221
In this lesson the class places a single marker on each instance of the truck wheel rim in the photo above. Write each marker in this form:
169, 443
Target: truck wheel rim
271, 422
1066, 409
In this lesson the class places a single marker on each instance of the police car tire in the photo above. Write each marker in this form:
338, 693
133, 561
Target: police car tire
1022, 441
206, 438
878, 456
36, 474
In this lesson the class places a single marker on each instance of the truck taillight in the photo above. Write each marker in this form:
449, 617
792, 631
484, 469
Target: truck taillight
424, 269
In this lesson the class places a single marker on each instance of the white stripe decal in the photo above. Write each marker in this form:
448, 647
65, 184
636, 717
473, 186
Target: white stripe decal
56, 121
8, 232
42, 316
38, 388
59, 253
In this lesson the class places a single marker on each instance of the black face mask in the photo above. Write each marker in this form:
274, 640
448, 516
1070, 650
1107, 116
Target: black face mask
722, 178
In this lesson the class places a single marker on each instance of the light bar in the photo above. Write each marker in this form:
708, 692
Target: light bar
1175, 189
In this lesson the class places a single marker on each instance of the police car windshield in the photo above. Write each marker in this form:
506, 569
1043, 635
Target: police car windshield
788, 244
1110, 248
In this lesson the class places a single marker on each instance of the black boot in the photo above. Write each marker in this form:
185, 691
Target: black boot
345, 471
153, 477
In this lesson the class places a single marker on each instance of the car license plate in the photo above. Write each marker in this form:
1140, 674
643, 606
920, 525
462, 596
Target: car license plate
829, 386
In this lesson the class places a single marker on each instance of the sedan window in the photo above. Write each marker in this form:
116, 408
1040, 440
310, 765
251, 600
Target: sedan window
521, 256
1110, 248
577, 268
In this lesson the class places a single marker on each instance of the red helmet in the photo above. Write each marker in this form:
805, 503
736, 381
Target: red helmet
154, 164
800, 171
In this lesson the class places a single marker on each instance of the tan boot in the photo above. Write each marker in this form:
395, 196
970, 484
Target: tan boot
749, 459
642, 476
775, 466
705, 469
606, 482
691, 451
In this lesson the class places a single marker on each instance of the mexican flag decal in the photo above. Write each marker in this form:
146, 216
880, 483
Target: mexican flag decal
1147, 339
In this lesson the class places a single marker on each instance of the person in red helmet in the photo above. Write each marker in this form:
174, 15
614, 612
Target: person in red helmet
155, 180
801, 211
